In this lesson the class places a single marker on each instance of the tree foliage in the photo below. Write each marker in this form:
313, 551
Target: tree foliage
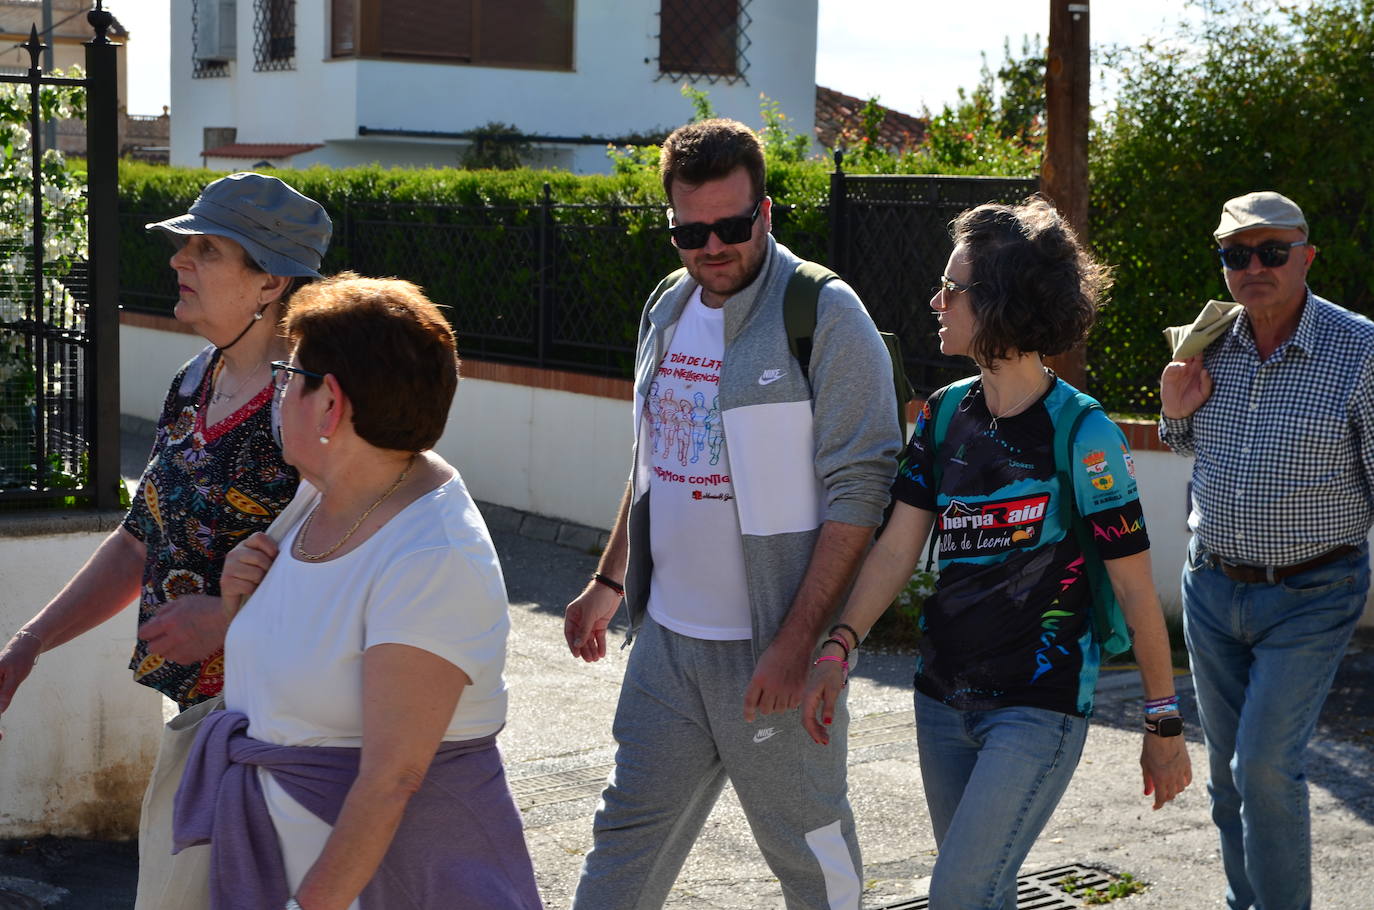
1256, 95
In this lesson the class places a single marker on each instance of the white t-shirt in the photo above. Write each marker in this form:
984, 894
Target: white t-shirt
698, 586
429, 578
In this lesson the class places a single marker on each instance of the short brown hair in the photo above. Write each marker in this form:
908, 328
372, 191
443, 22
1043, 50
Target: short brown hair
391, 350
1033, 287
710, 150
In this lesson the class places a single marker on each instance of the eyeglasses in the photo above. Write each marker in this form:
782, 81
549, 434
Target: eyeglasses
281, 374
946, 285
695, 235
1271, 255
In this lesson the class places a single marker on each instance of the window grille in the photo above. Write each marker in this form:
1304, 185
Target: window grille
205, 62
274, 35
703, 40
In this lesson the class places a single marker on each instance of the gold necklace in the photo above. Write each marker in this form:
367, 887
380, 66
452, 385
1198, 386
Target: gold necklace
300, 538
992, 425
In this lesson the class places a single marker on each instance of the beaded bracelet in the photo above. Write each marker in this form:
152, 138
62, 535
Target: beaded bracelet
839, 641
848, 628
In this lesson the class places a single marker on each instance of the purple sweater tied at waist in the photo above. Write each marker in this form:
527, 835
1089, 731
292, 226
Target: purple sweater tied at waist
460, 842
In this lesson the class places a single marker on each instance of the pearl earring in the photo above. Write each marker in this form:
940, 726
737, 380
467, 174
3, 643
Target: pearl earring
324, 440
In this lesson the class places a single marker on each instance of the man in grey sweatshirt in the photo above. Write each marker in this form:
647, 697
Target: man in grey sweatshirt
766, 484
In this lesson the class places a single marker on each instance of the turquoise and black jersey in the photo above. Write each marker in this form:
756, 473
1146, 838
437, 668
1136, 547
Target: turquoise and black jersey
1008, 623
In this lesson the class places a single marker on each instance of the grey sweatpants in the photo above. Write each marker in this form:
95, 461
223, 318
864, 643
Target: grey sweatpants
680, 732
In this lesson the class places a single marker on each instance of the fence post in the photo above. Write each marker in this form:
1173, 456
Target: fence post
837, 215
38, 315
102, 315
545, 290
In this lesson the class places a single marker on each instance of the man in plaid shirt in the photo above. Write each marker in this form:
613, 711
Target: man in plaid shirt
1279, 412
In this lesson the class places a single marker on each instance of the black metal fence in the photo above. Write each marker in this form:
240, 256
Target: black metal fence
560, 284
59, 367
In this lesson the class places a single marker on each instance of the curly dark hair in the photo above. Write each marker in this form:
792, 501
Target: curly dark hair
710, 150
1033, 286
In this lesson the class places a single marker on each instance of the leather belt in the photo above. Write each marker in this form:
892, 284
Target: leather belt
1256, 575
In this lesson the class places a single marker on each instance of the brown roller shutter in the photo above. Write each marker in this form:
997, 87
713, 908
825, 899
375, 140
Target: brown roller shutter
535, 33
343, 28
437, 29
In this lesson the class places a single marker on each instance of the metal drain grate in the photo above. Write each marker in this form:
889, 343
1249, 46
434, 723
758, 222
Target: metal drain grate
544, 789
1036, 890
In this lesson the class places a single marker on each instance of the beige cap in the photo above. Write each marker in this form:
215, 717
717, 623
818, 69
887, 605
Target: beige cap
1216, 317
1263, 209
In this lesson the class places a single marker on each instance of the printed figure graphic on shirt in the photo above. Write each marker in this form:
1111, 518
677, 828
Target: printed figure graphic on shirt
715, 435
664, 421
699, 414
651, 408
684, 431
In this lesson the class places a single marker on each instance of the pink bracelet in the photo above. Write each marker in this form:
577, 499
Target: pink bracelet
839, 660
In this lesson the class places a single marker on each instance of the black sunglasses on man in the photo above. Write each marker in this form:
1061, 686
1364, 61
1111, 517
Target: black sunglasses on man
734, 230
1271, 255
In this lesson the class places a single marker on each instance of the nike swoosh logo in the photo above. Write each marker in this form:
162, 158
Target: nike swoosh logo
766, 733
770, 376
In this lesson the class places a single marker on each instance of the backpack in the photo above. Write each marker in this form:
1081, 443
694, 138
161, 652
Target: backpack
1109, 627
799, 304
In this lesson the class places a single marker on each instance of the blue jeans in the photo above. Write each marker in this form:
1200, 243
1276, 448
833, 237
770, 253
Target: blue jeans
1263, 658
992, 780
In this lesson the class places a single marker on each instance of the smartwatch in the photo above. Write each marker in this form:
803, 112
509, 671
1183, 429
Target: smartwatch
1165, 726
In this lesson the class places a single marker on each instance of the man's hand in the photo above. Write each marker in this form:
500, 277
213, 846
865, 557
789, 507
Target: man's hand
187, 629
778, 679
245, 567
16, 662
1184, 386
586, 619
1165, 767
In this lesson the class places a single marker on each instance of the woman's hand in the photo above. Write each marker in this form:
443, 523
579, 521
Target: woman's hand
17, 660
823, 687
187, 629
1165, 767
246, 566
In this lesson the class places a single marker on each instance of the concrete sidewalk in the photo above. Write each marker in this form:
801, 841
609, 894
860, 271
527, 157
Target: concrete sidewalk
558, 751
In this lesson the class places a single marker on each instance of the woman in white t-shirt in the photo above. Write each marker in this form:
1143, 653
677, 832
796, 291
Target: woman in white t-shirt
363, 679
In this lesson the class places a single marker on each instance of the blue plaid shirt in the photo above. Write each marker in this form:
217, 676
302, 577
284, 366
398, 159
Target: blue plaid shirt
1285, 448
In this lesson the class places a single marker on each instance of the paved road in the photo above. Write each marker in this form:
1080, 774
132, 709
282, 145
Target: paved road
558, 750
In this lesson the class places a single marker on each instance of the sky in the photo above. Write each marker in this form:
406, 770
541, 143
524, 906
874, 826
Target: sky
910, 53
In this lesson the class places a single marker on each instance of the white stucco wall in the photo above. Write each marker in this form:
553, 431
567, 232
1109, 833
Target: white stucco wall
80, 736
612, 90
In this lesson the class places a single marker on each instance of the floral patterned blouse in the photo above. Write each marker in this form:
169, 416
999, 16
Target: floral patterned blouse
204, 490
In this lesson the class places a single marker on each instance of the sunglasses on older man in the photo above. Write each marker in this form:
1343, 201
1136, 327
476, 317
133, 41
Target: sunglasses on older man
1271, 255
694, 236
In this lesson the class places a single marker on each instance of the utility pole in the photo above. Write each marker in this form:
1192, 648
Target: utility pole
50, 125
1064, 171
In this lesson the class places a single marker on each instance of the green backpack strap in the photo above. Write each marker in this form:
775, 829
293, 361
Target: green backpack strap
1109, 627
799, 304
942, 403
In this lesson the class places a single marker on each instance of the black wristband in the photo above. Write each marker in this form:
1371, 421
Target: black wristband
839, 641
611, 583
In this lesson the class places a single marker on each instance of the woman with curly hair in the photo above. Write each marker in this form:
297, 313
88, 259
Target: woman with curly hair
1008, 660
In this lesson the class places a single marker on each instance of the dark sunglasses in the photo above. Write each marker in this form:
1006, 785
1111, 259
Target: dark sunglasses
1271, 255
730, 230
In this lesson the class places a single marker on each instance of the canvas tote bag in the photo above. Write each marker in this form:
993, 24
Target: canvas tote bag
182, 882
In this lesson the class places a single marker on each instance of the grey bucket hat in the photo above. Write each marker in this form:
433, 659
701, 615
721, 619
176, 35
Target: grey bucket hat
285, 232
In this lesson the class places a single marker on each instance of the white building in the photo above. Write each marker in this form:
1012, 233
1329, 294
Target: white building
405, 82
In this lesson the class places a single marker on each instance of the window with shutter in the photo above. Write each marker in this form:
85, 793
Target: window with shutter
534, 34
703, 40
274, 35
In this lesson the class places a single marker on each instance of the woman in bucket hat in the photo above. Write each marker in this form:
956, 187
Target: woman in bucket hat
216, 473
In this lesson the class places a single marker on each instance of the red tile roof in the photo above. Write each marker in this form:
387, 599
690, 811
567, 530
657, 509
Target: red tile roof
836, 112
260, 149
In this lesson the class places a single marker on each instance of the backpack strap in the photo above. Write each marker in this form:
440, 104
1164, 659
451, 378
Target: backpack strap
799, 303
1108, 623
942, 403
